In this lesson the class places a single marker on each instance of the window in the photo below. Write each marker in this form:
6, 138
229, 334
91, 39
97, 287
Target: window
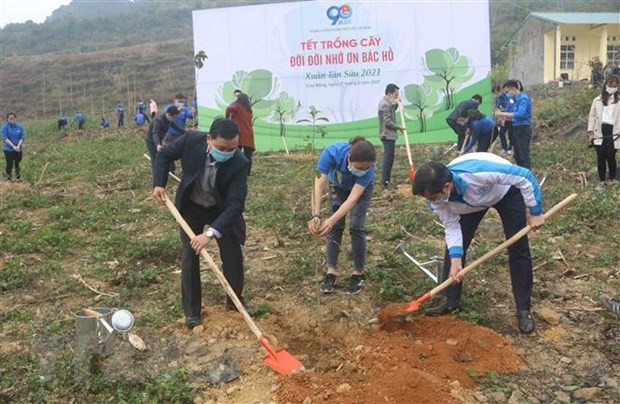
613, 54
567, 57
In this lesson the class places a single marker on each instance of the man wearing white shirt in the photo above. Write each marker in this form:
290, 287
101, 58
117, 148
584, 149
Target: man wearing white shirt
460, 194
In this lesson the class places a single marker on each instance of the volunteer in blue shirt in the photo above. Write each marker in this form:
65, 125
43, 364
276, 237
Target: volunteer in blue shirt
120, 115
350, 170
521, 122
505, 104
185, 113
62, 122
460, 195
140, 119
12, 140
481, 128
141, 109
79, 118
104, 123
466, 105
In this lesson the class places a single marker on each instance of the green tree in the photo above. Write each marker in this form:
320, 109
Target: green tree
450, 70
285, 108
314, 120
423, 101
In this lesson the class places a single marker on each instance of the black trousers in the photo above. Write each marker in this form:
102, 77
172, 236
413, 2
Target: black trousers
512, 212
505, 134
197, 218
121, 120
247, 152
606, 154
13, 159
80, 125
521, 138
460, 132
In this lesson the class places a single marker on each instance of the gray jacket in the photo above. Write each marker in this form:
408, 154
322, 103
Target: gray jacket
388, 129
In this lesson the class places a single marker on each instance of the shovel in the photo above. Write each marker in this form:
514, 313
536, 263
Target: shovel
415, 305
169, 173
281, 361
402, 122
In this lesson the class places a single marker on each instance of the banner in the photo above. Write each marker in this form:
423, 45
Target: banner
316, 71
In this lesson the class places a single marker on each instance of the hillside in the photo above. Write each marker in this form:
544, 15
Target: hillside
94, 82
88, 55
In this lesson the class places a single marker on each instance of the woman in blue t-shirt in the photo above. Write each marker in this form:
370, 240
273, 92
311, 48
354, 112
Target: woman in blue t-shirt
350, 170
12, 140
481, 128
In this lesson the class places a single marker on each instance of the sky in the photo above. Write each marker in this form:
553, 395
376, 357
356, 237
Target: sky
15, 11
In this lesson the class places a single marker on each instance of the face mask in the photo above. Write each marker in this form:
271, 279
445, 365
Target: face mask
356, 171
611, 90
510, 96
220, 156
462, 123
440, 201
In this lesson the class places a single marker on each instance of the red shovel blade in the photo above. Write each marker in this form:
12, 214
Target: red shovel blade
415, 305
281, 361
411, 174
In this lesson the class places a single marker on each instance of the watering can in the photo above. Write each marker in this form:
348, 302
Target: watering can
96, 326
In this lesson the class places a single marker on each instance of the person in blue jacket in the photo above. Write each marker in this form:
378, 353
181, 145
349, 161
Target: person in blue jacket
481, 128
120, 115
503, 127
62, 122
12, 141
141, 109
521, 119
475, 101
104, 123
349, 168
79, 118
185, 113
140, 119
460, 195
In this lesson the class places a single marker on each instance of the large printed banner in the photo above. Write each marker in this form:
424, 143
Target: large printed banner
316, 71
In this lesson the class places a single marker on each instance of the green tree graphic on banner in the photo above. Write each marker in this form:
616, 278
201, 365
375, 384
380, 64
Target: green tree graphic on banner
423, 101
450, 70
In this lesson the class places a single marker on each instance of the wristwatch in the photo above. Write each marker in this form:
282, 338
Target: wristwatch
209, 233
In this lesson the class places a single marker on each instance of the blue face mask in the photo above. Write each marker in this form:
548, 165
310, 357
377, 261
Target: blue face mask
510, 96
356, 171
220, 156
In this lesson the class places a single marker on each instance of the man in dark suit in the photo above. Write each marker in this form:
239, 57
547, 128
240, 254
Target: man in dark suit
213, 190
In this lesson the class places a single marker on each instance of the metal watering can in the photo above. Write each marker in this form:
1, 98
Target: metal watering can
95, 327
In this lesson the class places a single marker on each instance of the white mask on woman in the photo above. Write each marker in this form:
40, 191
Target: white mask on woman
611, 90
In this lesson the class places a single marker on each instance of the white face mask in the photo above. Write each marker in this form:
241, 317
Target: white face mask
611, 90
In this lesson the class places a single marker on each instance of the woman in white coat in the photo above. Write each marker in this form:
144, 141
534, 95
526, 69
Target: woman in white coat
604, 128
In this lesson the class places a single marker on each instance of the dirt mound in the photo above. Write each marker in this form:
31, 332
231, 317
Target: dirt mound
418, 359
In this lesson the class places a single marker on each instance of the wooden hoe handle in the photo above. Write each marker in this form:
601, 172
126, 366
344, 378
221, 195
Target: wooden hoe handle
231, 293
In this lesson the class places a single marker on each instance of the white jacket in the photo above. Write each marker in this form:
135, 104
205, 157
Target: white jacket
480, 181
595, 121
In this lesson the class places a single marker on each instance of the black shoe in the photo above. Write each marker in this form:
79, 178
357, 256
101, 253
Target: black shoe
231, 307
329, 280
192, 322
442, 309
526, 322
356, 284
